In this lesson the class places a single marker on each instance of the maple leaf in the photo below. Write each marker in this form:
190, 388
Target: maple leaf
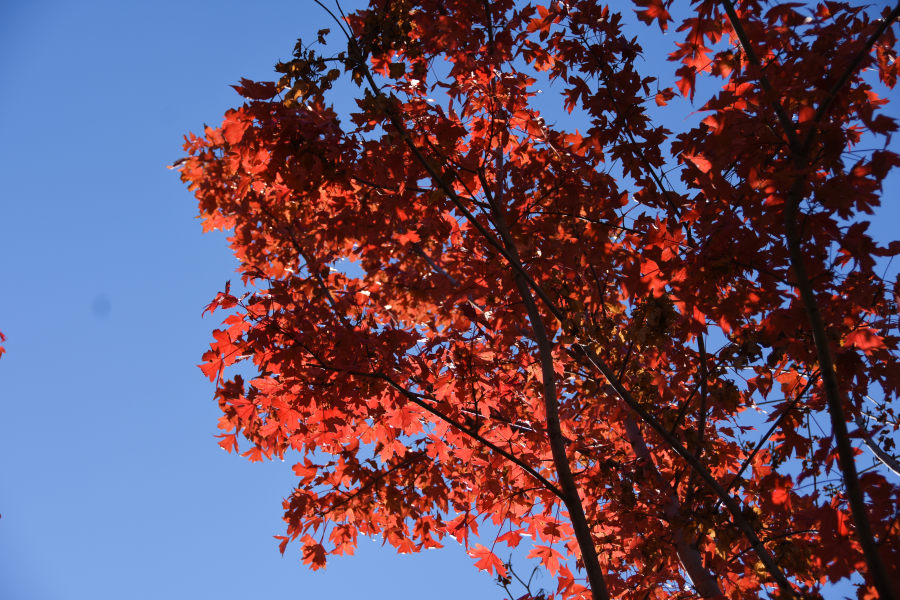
213, 365
234, 126
256, 90
306, 470
228, 442
487, 560
655, 10
699, 161
865, 339
549, 557
781, 494
283, 542
687, 76
664, 96
313, 553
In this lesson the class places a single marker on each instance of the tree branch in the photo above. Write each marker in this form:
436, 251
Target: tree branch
847, 74
833, 395
416, 399
783, 117
886, 459
572, 498
733, 506
768, 434
704, 582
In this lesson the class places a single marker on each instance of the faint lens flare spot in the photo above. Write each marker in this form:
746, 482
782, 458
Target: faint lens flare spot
101, 306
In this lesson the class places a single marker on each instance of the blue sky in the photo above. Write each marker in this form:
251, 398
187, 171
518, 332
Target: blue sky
111, 483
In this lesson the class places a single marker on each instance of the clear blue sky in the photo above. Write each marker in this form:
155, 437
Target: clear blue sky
111, 483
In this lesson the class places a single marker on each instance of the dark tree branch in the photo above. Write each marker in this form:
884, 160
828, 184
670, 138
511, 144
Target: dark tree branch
733, 506
417, 399
886, 459
847, 74
783, 119
704, 582
833, 396
761, 442
567, 482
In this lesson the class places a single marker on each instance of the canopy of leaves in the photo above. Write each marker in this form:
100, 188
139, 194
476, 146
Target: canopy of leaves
569, 333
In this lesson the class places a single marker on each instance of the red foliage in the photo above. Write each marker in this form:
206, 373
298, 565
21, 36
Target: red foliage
537, 327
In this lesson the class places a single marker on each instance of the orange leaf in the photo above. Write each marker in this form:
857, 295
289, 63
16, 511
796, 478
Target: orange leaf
487, 560
699, 161
781, 494
865, 339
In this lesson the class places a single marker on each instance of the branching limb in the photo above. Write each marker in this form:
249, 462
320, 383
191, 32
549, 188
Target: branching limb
833, 396
704, 581
886, 459
572, 498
